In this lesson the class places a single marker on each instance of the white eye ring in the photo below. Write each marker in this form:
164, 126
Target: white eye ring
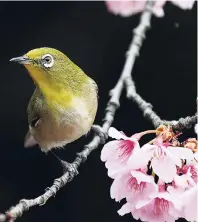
47, 60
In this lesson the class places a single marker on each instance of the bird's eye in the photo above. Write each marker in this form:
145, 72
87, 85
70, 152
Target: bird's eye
47, 60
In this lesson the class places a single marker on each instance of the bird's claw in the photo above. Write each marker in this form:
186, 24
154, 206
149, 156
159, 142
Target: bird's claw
100, 132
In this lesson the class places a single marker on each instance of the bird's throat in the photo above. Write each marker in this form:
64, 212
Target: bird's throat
54, 95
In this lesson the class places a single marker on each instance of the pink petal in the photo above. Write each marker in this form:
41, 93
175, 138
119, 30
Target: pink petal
118, 188
140, 158
144, 189
143, 203
123, 8
114, 133
158, 8
177, 161
196, 156
159, 12
185, 4
108, 149
165, 168
181, 153
181, 181
196, 128
166, 196
169, 218
113, 168
175, 191
141, 177
131, 7
189, 200
125, 209
116, 154
128, 8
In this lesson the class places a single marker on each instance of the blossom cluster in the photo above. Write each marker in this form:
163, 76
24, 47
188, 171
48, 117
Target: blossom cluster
158, 180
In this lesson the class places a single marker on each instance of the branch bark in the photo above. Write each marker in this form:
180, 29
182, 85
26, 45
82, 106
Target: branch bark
125, 80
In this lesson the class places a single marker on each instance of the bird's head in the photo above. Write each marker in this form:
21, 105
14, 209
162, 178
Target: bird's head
51, 70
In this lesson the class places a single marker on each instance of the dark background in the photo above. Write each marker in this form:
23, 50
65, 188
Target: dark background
165, 75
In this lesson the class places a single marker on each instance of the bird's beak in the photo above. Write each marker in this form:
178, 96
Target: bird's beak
21, 60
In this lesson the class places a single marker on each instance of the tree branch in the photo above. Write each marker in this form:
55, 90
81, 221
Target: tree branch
125, 80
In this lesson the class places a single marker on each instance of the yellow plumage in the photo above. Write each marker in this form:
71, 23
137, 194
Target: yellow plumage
64, 104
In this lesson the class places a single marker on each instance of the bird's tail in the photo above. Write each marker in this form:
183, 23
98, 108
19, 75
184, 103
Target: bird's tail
29, 140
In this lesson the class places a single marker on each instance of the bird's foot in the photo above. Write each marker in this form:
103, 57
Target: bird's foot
69, 167
100, 132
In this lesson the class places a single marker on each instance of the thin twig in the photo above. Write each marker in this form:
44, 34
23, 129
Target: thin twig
182, 123
133, 52
125, 80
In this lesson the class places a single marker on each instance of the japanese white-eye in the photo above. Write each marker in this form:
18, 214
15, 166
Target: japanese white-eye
64, 103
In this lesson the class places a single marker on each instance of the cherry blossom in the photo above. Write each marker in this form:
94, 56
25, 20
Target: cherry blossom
116, 153
128, 8
134, 170
161, 207
134, 185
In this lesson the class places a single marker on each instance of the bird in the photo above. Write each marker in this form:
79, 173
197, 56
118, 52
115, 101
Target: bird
65, 100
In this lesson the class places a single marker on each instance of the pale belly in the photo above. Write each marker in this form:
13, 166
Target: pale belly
51, 133
70, 124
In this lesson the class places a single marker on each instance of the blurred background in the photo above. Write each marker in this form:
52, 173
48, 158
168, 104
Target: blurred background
165, 75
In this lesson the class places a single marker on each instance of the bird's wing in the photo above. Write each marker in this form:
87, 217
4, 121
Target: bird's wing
35, 108
33, 111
